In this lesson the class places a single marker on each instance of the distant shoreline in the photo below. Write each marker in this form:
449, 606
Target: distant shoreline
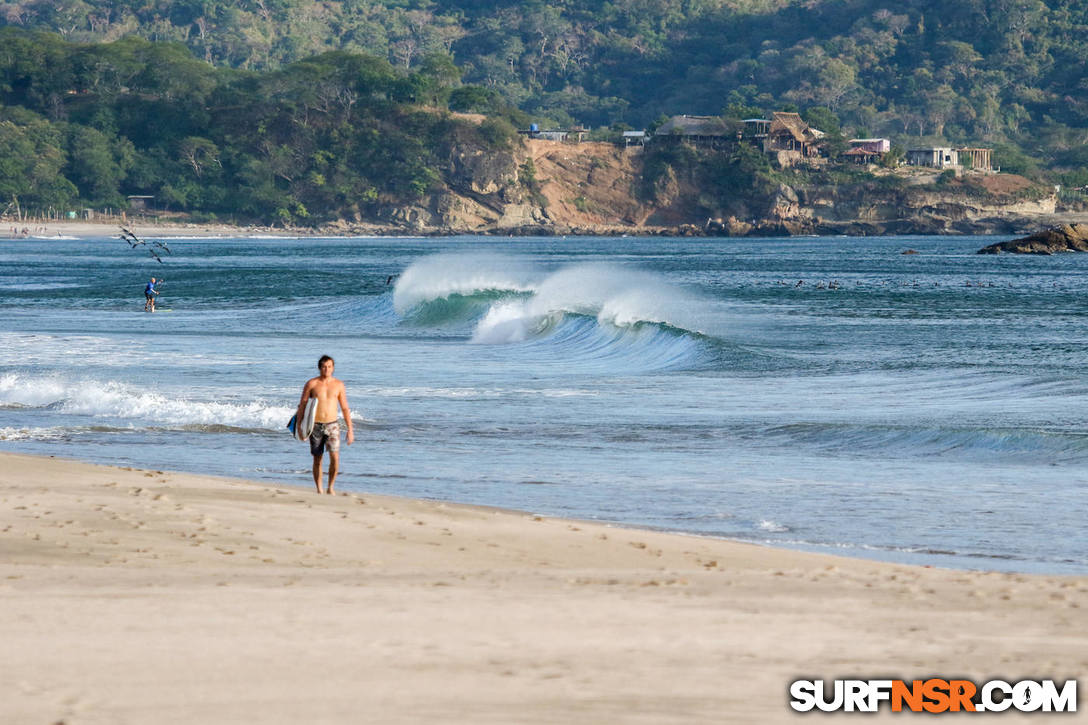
95, 230
89, 230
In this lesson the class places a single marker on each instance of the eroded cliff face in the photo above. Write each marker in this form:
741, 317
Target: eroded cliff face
543, 187
480, 193
588, 187
539, 187
977, 204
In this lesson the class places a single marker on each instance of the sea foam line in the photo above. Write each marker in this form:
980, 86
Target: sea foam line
111, 399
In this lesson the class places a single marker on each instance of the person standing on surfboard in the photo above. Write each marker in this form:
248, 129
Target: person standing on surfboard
150, 293
330, 394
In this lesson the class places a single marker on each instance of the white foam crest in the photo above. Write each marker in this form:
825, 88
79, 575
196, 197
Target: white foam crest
33, 434
18, 390
614, 295
115, 400
442, 275
772, 527
510, 321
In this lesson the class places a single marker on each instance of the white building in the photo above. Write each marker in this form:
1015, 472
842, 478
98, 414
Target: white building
938, 157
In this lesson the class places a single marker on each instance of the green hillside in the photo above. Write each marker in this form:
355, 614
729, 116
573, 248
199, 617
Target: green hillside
985, 69
314, 140
137, 90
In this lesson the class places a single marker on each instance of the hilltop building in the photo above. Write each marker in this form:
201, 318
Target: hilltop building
790, 140
861, 156
867, 150
139, 202
874, 145
551, 135
699, 131
937, 157
756, 128
944, 157
976, 158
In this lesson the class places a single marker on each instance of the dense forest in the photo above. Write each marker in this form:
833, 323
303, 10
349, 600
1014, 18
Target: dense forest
237, 74
92, 123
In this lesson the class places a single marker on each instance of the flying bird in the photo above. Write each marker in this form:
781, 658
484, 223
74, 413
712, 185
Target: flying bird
134, 241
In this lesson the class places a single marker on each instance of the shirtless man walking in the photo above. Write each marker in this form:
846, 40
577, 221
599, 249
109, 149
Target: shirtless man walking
330, 394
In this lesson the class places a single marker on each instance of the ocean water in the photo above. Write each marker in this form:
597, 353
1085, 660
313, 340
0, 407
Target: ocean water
828, 394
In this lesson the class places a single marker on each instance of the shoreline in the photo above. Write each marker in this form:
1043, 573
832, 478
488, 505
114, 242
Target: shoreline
131, 595
43, 231
40, 231
836, 551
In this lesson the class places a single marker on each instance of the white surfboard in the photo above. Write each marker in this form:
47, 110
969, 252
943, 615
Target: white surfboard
304, 427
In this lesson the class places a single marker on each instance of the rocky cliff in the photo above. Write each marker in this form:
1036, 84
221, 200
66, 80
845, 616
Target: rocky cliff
544, 187
921, 202
539, 187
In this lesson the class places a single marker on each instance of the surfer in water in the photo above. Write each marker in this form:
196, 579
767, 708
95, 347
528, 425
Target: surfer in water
330, 394
149, 294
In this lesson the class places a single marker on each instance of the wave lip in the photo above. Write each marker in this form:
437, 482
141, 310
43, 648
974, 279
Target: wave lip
442, 276
605, 312
614, 295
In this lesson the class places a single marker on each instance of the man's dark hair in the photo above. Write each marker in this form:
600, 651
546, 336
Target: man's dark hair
323, 359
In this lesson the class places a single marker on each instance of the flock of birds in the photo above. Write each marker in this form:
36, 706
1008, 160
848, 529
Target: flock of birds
134, 242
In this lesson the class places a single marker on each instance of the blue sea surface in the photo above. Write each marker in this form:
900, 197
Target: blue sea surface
829, 394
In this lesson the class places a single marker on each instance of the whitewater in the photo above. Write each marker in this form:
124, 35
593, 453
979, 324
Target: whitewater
826, 394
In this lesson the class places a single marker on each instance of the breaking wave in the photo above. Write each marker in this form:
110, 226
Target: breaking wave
605, 309
137, 407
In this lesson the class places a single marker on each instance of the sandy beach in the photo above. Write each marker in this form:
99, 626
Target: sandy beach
132, 596
91, 229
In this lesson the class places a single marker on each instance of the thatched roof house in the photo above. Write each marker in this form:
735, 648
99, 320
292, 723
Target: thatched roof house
789, 132
790, 140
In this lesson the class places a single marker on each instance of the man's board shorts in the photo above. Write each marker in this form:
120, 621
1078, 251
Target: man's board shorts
325, 435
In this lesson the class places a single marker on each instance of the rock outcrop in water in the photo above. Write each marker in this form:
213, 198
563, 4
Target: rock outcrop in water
1063, 238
